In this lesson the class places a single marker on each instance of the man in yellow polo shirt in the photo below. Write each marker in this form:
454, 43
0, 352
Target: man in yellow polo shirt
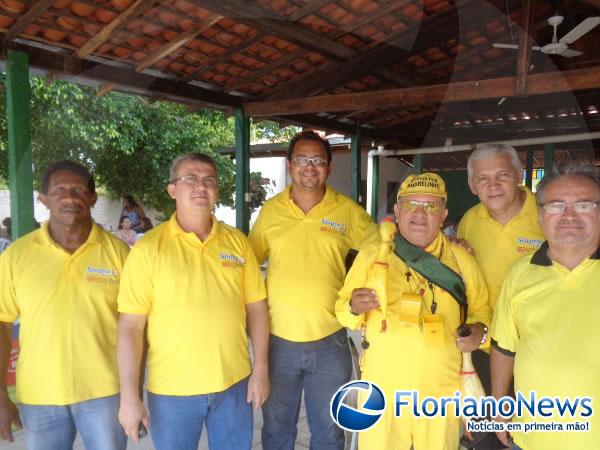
61, 281
434, 286
305, 233
502, 228
545, 328
196, 283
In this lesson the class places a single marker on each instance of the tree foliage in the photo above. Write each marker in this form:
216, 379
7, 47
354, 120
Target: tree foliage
127, 141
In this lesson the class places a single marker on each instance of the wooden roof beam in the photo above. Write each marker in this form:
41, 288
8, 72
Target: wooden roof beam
417, 38
105, 89
441, 26
544, 83
524, 50
378, 13
136, 9
28, 18
256, 16
256, 74
178, 42
386, 73
308, 9
224, 56
127, 79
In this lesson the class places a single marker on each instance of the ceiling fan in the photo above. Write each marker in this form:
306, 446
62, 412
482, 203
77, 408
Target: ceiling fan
561, 46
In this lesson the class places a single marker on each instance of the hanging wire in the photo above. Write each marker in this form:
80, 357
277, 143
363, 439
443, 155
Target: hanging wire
512, 38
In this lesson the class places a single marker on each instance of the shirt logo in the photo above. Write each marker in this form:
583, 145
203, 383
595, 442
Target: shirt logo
526, 245
333, 227
228, 260
102, 275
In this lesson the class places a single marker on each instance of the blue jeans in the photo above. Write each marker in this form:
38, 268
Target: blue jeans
176, 421
54, 427
319, 368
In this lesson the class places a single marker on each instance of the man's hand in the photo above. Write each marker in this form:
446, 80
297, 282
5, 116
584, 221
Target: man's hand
131, 413
463, 243
8, 415
503, 436
363, 300
258, 388
471, 342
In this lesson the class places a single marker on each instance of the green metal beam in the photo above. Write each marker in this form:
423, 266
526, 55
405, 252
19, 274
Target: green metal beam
20, 171
242, 171
418, 163
356, 155
529, 169
548, 158
375, 188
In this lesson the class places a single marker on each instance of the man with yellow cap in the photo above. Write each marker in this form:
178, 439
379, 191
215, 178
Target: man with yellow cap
434, 287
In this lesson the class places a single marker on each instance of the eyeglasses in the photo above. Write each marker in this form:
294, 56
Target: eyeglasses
584, 207
304, 160
194, 181
413, 205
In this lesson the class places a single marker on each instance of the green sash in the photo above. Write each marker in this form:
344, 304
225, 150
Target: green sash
433, 270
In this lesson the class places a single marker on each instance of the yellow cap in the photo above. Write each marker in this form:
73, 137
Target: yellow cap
426, 183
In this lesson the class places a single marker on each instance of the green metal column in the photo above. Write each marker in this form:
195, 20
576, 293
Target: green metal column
529, 169
375, 188
355, 145
548, 158
418, 163
242, 170
20, 172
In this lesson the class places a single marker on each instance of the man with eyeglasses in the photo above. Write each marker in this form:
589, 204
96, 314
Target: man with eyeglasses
196, 283
305, 234
545, 329
434, 287
500, 229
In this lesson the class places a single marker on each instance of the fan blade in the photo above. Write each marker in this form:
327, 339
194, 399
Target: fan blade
581, 29
512, 46
570, 53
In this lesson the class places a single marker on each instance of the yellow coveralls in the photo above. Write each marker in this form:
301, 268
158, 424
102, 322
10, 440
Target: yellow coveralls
405, 358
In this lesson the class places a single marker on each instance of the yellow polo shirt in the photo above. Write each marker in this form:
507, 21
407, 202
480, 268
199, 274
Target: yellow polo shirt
416, 365
402, 358
547, 317
67, 307
306, 254
194, 294
498, 247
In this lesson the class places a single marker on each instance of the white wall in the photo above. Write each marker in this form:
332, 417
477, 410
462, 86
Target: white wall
106, 212
273, 168
390, 170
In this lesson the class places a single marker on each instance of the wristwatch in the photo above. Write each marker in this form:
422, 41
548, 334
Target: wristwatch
485, 334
